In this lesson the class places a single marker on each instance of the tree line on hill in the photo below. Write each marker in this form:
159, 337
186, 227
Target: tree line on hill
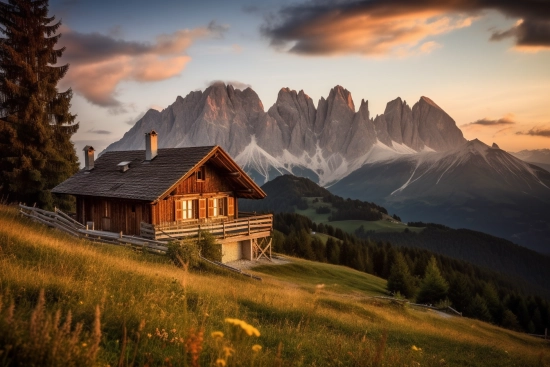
419, 274
475, 247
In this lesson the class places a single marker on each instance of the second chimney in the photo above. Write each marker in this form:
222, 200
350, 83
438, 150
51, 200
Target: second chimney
88, 157
150, 145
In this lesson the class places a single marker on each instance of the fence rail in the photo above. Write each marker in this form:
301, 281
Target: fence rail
247, 226
64, 222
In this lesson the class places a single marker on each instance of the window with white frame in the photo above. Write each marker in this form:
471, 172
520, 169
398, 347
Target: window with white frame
187, 209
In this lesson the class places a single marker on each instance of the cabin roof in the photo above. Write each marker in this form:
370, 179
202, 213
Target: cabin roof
153, 180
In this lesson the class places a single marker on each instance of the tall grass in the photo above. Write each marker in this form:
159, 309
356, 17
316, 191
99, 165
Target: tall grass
154, 313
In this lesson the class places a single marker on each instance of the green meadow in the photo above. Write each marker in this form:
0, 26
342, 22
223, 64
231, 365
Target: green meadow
349, 226
70, 302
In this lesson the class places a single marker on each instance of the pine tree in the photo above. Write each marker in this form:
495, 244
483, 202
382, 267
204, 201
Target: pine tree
433, 286
478, 309
400, 279
35, 123
460, 292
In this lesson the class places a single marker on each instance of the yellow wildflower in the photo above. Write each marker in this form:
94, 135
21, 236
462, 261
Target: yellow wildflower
256, 348
249, 329
220, 362
415, 348
149, 335
228, 351
84, 344
217, 334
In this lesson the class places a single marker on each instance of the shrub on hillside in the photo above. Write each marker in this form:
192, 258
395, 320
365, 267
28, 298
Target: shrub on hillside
184, 252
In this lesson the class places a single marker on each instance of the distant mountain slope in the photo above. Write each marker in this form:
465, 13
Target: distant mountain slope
473, 186
324, 143
539, 157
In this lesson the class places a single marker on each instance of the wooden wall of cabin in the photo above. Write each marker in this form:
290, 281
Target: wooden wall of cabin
113, 215
215, 184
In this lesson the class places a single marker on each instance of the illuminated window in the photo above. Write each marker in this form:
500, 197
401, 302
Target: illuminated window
215, 208
187, 209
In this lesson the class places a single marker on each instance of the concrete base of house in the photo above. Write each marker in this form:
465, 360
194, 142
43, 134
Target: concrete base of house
248, 248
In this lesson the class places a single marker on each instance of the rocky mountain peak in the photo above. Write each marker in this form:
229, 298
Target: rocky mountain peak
427, 100
293, 135
495, 146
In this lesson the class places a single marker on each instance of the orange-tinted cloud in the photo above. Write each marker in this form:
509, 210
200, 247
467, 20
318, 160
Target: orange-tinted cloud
391, 27
506, 120
99, 63
544, 132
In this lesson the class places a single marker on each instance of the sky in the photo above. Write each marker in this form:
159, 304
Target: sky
485, 62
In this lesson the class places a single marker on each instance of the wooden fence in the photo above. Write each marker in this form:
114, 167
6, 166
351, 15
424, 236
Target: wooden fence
247, 226
62, 221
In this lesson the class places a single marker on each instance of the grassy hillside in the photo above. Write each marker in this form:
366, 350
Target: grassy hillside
140, 309
388, 224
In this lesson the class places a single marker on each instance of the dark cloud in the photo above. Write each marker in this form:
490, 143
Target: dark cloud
531, 33
99, 132
536, 132
487, 122
94, 47
382, 27
217, 30
234, 83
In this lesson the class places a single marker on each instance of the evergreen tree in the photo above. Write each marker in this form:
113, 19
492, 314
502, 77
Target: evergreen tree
493, 303
433, 286
478, 309
400, 279
332, 250
35, 123
510, 321
460, 292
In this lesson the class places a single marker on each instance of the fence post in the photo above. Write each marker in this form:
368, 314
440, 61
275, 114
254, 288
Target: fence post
223, 224
249, 227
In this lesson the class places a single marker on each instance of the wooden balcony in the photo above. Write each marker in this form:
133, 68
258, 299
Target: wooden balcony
248, 226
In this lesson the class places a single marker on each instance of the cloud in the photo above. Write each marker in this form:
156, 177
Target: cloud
544, 132
507, 120
100, 132
234, 83
99, 63
530, 36
377, 28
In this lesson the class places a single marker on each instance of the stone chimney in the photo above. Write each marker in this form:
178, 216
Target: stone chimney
150, 145
88, 157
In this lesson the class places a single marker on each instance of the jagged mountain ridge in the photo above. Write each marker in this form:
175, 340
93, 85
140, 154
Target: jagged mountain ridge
473, 186
324, 143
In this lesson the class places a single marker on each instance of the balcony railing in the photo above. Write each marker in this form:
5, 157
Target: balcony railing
253, 225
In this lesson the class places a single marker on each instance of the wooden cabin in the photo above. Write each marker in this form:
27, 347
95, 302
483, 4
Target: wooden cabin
170, 193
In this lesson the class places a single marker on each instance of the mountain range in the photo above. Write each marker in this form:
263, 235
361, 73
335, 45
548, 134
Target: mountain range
324, 143
413, 161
